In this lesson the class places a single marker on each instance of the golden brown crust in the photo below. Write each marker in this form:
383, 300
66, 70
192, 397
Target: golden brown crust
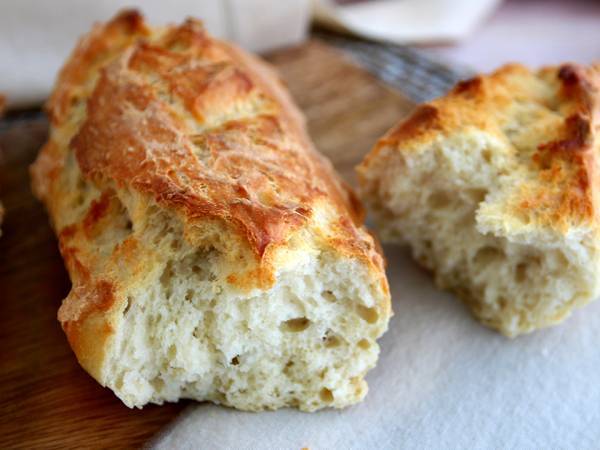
563, 153
202, 130
93, 50
227, 171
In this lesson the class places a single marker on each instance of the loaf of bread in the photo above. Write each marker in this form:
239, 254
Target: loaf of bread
214, 254
495, 189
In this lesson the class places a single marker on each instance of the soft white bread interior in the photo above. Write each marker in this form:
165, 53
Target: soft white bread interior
494, 187
214, 254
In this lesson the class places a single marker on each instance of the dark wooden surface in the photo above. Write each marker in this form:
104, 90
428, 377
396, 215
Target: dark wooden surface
46, 399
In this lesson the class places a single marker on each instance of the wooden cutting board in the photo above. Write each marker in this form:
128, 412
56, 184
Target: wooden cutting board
46, 399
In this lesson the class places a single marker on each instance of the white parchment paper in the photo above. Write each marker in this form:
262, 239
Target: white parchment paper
442, 382
406, 21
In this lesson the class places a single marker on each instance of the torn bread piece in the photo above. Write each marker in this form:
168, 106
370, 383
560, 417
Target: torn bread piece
214, 254
494, 187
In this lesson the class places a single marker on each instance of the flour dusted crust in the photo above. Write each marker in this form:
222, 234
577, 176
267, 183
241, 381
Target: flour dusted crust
214, 253
495, 188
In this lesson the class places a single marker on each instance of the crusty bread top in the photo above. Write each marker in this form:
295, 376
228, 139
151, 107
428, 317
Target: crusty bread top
202, 130
546, 122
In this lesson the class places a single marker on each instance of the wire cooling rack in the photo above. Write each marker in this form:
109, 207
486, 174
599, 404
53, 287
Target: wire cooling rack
412, 71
